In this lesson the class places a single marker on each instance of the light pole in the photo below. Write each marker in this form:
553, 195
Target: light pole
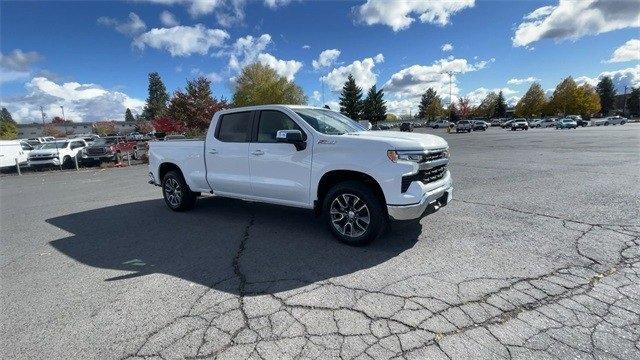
64, 120
43, 116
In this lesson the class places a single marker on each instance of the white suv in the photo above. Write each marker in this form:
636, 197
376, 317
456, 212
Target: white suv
58, 152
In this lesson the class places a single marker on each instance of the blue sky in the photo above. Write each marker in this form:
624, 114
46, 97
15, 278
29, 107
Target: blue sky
93, 57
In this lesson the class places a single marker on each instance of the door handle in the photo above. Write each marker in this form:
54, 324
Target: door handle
257, 153
213, 151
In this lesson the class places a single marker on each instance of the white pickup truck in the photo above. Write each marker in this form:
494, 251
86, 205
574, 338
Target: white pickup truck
310, 158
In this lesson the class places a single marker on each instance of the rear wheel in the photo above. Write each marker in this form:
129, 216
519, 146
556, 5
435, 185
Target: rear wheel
67, 162
177, 194
354, 213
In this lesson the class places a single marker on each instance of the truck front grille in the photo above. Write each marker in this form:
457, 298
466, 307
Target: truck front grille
425, 176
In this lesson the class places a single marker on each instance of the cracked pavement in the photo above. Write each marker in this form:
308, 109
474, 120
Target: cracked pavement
538, 256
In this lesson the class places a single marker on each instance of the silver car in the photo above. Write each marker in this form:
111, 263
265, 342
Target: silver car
611, 120
464, 126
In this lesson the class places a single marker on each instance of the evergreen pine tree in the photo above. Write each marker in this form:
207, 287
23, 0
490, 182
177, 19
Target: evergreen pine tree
158, 98
351, 99
8, 127
607, 93
430, 105
374, 107
501, 106
128, 116
633, 102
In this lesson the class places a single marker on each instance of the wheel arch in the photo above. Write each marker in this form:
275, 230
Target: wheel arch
333, 177
165, 167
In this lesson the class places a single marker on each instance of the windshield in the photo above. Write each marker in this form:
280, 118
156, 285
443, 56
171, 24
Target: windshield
328, 122
53, 145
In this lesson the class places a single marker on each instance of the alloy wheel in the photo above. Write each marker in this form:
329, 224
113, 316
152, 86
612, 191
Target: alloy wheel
350, 215
173, 192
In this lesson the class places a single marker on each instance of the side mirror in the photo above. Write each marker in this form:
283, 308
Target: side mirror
291, 137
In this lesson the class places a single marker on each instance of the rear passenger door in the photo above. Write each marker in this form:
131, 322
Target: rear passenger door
279, 172
226, 155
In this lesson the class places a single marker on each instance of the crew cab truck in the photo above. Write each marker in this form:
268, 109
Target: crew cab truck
310, 158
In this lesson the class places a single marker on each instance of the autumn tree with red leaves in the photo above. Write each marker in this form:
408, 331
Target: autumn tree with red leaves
167, 125
195, 106
464, 108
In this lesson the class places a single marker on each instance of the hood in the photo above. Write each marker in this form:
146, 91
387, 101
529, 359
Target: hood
402, 140
44, 152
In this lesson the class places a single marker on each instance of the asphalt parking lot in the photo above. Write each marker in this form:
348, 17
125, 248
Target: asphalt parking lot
538, 256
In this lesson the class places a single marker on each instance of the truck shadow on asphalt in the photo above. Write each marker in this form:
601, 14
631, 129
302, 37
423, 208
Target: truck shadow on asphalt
221, 243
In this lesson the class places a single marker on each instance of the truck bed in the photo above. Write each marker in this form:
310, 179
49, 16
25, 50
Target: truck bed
187, 154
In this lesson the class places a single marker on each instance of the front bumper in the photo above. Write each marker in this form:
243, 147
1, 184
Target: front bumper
434, 199
48, 162
93, 158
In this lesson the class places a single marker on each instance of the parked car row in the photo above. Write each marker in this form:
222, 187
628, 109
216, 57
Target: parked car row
84, 149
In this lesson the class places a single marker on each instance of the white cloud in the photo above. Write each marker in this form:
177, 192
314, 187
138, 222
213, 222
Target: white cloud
182, 40
476, 96
286, 68
326, 58
629, 51
361, 70
82, 102
276, 3
540, 12
516, 81
575, 19
246, 50
400, 14
212, 76
416, 79
195, 8
168, 19
18, 60
17, 64
406, 86
227, 12
629, 77
133, 26
447, 47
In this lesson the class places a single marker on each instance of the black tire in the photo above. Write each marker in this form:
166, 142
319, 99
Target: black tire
176, 193
67, 162
340, 203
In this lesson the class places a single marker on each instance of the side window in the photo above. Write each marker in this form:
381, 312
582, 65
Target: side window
234, 127
271, 121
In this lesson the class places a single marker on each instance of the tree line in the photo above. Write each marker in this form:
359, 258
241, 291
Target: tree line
191, 109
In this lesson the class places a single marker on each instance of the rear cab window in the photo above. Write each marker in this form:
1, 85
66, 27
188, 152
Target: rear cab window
234, 127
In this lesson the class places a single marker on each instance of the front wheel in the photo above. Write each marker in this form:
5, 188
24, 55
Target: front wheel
354, 213
177, 194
